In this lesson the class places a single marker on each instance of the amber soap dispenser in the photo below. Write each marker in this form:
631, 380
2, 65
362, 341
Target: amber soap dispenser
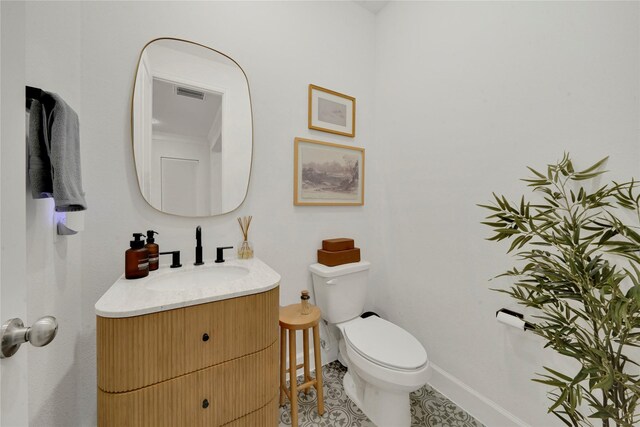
136, 258
154, 250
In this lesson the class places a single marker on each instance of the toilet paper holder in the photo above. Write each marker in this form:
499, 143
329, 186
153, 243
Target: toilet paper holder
527, 326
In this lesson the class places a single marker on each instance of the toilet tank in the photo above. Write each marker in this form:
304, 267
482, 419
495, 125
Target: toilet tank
340, 291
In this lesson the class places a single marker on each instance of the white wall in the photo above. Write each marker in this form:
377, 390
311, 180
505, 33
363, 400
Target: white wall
54, 283
468, 95
88, 52
14, 371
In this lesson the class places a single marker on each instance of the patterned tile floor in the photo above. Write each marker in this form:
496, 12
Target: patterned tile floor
428, 407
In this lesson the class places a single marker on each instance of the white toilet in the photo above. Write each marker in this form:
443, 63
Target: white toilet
385, 363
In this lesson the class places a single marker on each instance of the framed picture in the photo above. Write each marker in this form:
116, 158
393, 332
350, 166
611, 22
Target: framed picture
331, 111
327, 174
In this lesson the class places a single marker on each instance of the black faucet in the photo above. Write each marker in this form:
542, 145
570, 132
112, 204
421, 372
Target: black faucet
219, 253
198, 246
175, 260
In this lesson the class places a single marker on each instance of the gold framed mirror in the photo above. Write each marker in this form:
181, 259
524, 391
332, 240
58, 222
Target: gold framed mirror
191, 128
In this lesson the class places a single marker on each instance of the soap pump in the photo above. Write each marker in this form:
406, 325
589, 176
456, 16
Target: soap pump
154, 250
136, 258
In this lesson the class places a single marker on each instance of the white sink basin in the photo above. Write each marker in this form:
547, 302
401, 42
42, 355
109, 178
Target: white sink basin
196, 278
171, 288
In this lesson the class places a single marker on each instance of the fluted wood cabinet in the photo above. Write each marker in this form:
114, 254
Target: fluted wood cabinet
211, 364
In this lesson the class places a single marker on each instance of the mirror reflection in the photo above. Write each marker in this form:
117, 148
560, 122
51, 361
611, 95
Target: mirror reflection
192, 130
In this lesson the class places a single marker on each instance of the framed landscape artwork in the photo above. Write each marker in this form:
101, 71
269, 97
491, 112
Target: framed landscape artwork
327, 174
331, 111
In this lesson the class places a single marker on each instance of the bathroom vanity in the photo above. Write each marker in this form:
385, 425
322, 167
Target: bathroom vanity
191, 346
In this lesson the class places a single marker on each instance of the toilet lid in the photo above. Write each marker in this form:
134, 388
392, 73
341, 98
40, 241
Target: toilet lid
386, 344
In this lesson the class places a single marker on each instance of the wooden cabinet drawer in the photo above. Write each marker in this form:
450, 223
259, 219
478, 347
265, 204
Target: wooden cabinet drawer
267, 416
234, 327
246, 385
134, 352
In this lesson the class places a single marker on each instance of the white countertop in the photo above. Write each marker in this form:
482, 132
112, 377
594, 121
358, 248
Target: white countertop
127, 298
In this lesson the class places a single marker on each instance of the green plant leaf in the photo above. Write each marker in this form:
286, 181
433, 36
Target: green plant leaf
551, 382
594, 167
560, 400
495, 224
581, 376
605, 383
536, 173
585, 176
558, 374
491, 208
568, 242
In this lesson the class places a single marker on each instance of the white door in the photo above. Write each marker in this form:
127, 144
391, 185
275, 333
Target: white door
13, 297
179, 179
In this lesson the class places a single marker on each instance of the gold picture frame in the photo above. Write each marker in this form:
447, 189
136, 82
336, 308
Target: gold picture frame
327, 174
331, 111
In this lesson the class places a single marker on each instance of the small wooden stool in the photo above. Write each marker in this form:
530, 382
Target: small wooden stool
293, 320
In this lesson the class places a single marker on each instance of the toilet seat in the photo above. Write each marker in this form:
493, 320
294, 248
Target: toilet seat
385, 344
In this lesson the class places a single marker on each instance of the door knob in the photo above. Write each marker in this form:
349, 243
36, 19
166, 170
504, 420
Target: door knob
14, 334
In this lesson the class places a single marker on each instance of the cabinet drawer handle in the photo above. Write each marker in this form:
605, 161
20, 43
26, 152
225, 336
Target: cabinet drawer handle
205, 337
205, 404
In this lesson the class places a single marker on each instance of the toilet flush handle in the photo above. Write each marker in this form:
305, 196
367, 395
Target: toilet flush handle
332, 282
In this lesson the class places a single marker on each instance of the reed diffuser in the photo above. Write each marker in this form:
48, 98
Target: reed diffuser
245, 248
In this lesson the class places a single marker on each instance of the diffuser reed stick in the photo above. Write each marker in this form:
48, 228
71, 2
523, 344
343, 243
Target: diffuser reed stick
245, 251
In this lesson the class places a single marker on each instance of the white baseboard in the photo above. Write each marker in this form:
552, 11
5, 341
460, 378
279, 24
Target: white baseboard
480, 407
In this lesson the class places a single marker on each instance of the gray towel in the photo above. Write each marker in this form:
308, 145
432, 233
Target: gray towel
54, 143
39, 164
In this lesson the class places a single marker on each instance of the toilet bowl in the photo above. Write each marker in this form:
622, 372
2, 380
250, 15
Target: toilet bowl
385, 363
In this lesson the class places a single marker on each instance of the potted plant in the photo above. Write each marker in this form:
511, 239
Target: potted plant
579, 269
